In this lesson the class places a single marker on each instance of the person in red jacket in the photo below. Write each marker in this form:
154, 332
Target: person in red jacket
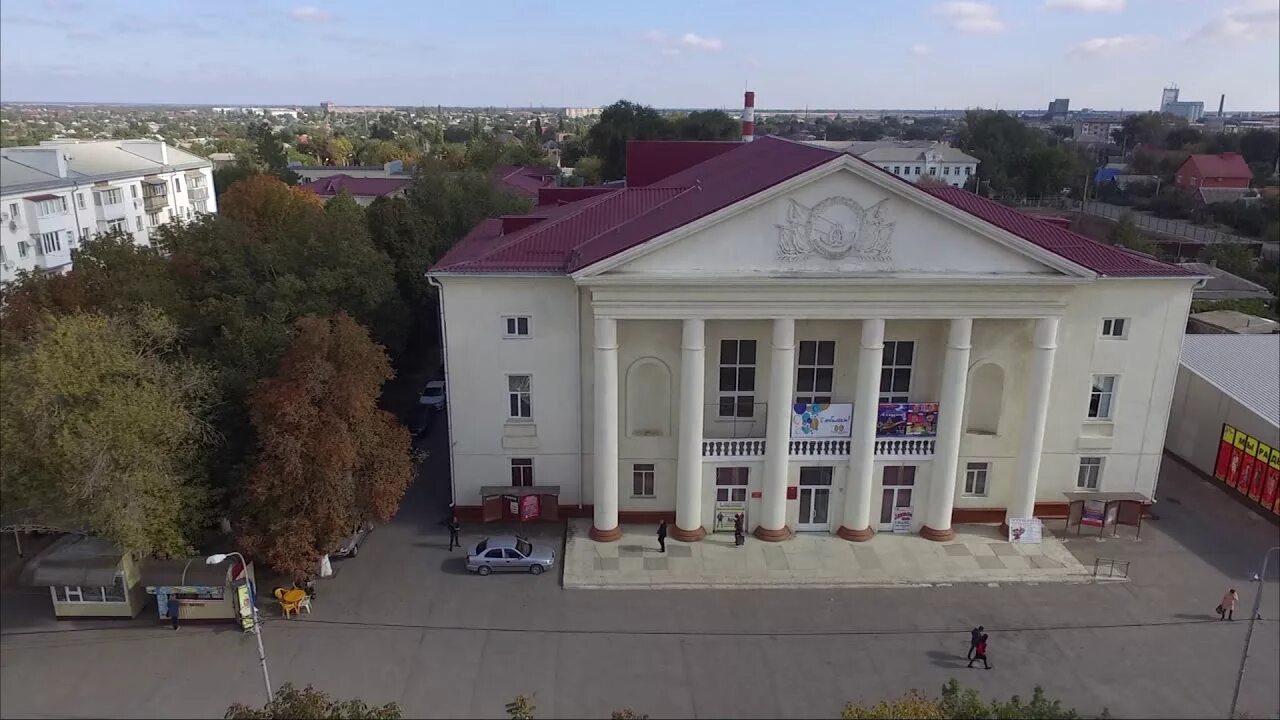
980, 653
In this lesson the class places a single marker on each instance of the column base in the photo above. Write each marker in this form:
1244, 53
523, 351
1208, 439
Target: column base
610, 535
862, 535
929, 533
762, 533
683, 535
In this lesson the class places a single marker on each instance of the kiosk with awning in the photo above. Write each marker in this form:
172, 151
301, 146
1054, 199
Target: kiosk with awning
204, 592
87, 577
1105, 509
526, 503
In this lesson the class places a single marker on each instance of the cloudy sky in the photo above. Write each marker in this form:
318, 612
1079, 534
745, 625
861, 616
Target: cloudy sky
688, 53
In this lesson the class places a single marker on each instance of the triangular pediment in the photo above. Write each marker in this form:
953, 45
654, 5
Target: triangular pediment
843, 218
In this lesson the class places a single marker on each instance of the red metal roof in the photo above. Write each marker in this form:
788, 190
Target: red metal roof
362, 187
1226, 165
649, 161
577, 234
525, 181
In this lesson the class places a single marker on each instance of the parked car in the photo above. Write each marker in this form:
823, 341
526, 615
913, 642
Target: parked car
433, 395
509, 553
350, 546
422, 421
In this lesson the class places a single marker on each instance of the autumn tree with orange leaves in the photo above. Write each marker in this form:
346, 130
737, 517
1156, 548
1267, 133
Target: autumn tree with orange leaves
327, 455
265, 203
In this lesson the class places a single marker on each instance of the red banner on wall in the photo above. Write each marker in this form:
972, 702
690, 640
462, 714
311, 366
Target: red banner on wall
530, 508
1250, 466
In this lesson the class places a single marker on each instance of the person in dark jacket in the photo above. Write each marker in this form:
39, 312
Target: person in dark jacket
980, 653
662, 536
739, 535
174, 608
454, 529
975, 636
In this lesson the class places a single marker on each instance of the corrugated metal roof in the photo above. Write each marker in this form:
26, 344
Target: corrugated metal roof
1227, 165
1245, 367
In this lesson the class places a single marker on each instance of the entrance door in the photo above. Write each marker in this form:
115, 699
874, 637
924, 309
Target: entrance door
815, 499
899, 486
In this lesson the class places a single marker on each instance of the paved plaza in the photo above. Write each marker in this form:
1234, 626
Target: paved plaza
978, 554
405, 622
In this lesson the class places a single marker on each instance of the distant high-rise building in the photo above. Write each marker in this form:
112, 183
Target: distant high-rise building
1169, 95
1060, 107
1191, 110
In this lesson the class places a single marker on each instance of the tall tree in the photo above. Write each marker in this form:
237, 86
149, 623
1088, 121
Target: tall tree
707, 125
267, 204
290, 703
101, 429
328, 456
620, 122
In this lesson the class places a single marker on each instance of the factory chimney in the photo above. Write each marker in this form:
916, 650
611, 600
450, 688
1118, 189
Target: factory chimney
748, 116
1221, 101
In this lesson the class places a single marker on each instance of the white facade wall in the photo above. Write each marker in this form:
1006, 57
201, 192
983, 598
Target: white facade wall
954, 174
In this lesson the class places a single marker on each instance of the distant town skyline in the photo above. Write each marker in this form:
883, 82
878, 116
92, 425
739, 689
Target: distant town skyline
1102, 54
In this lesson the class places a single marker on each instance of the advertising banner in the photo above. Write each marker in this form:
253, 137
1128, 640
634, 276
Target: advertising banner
1271, 489
530, 508
726, 511
821, 420
1224, 453
1237, 457
1092, 515
907, 420
1244, 481
1025, 530
902, 519
1250, 466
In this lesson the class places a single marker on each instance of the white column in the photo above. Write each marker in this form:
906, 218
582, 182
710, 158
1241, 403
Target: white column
1034, 418
604, 526
777, 450
866, 401
689, 460
946, 459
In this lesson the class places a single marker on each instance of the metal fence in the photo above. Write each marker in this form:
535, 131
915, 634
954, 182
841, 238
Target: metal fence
1167, 226
1110, 568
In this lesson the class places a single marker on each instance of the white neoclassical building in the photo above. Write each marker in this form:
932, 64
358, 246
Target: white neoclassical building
791, 333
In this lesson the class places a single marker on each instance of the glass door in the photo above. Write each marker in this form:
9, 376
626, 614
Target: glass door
895, 498
815, 499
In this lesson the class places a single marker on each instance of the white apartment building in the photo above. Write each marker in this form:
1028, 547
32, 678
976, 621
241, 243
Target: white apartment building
55, 195
784, 331
913, 160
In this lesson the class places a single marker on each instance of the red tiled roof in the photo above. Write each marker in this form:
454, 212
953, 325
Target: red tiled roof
583, 232
524, 181
1226, 165
362, 187
649, 161
561, 195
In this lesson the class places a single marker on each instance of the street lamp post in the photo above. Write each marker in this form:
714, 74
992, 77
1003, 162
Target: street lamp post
1261, 577
257, 622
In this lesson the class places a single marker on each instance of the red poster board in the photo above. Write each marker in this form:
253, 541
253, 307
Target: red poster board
1237, 456
1271, 489
530, 508
1224, 452
1244, 482
1262, 458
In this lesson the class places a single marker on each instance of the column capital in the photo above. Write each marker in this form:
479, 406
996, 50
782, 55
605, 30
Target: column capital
1046, 333
606, 333
693, 334
960, 333
873, 334
784, 333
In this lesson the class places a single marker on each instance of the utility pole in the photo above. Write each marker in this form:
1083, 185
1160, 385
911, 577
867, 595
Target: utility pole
1261, 578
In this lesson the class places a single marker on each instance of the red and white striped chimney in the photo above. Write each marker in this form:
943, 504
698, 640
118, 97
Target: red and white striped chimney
748, 116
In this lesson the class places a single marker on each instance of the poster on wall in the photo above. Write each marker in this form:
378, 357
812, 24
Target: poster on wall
530, 508
902, 519
1250, 466
907, 419
1025, 530
1244, 482
1225, 447
726, 511
1093, 513
821, 420
1271, 488
1237, 457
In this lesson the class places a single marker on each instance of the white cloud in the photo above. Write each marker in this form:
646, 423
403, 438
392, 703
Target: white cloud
971, 17
1253, 20
702, 43
310, 13
1112, 45
920, 49
1088, 6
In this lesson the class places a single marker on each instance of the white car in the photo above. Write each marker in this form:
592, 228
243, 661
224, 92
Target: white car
433, 395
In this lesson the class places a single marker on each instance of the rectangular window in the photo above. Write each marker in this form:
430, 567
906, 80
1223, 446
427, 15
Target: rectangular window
737, 378
522, 472
946, 170
116, 225
933, 171
1102, 396
897, 169
642, 480
138, 223
201, 205
195, 182
80, 200
177, 184
84, 233
108, 197
13, 211
44, 208
731, 484
153, 218
968, 171
50, 242
895, 371
917, 169
975, 478
1090, 474
516, 326
1115, 327
133, 189
519, 397
815, 371
24, 248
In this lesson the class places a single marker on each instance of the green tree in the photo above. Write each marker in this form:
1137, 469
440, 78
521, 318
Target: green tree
590, 169
271, 152
521, 708
1014, 158
308, 703
620, 122
1249, 306
1234, 258
1126, 234
961, 703
1260, 146
118, 414
707, 125
328, 457
1149, 128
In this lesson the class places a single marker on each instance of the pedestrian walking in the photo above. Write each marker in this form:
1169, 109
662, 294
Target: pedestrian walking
454, 529
980, 653
662, 536
1227, 608
173, 611
975, 636
739, 533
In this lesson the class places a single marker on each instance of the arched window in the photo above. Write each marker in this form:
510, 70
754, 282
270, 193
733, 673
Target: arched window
648, 398
986, 398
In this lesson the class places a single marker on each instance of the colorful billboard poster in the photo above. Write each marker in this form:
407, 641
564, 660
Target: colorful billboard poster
1025, 530
821, 420
1237, 456
1258, 470
907, 420
1224, 453
1250, 466
1245, 479
1093, 513
1271, 489
530, 508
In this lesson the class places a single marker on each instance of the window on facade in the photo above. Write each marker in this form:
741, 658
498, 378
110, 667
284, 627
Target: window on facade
519, 396
1101, 397
24, 248
917, 169
133, 189
946, 171
968, 171
108, 197
516, 326
731, 484
50, 242
1115, 327
177, 184
13, 211
815, 371
153, 218
91, 594
48, 207
975, 478
642, 480
897, 169
933, 171
84, 233
895, 371
80, 200
201, 205
116, 225
522, 472
195, 182
737, 378
1090, 473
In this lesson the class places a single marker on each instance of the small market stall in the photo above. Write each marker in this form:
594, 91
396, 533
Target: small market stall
527, 503
1105, 509
200, 591
87, 577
